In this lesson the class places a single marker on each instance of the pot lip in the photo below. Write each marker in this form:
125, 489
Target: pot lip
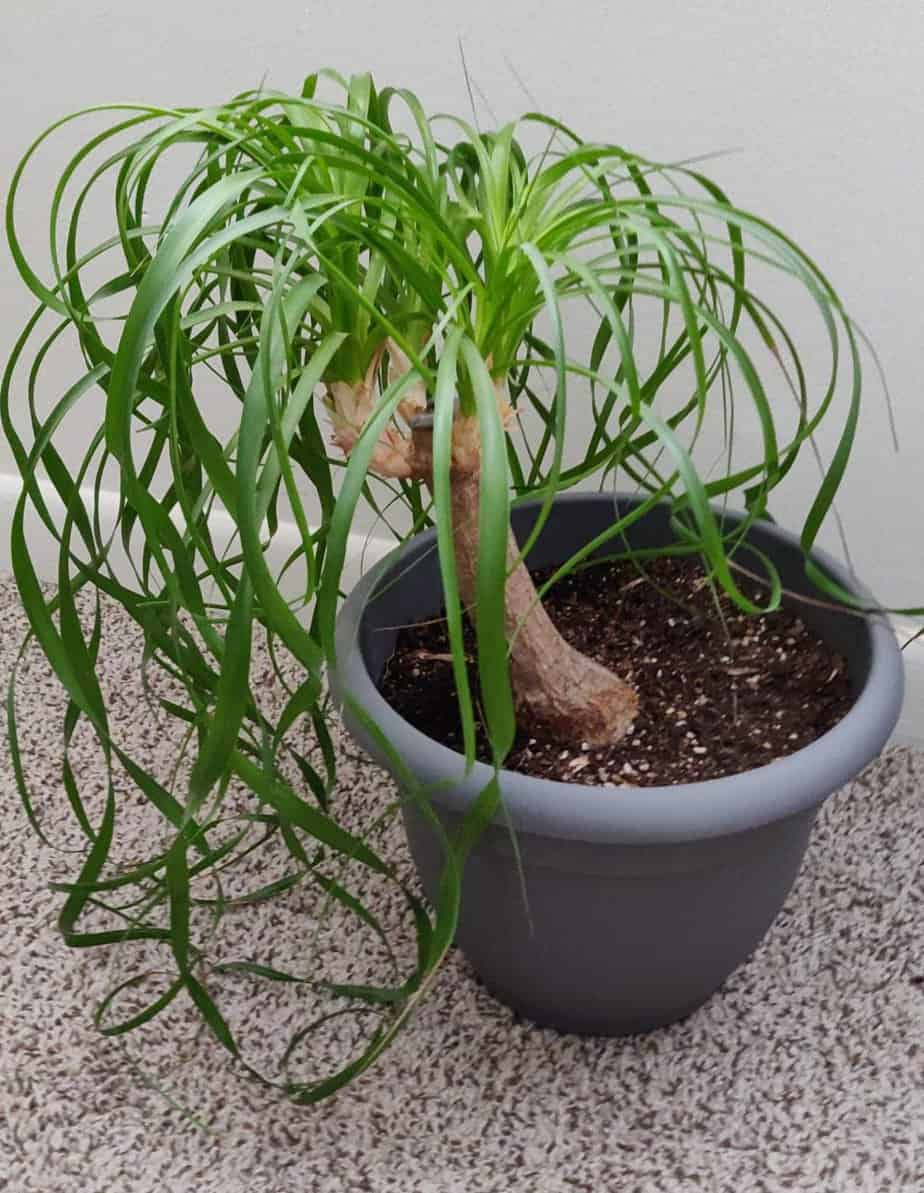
678, 813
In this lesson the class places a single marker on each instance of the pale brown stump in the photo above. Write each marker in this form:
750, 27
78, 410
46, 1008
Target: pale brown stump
556, 688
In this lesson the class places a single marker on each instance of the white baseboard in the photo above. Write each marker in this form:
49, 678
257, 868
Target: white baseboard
910, 729
362, 553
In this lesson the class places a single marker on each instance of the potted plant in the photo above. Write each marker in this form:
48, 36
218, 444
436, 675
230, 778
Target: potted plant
481, 323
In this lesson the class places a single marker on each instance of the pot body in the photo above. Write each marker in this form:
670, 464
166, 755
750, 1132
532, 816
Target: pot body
619, 910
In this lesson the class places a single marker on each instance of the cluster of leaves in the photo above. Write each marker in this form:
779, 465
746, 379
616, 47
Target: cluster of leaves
305, 233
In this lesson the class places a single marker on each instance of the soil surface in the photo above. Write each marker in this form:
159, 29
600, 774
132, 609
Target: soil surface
720, 692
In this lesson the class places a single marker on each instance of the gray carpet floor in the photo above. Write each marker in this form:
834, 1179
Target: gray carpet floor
806, 1072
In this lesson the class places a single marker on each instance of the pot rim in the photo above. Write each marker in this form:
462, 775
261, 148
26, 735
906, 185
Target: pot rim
632, 815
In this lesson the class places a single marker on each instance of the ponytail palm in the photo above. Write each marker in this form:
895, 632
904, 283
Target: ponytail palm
396, 310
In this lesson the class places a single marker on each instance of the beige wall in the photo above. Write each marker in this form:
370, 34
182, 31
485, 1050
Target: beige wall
823, 103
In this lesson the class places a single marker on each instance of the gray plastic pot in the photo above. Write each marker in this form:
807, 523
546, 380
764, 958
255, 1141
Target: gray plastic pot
641, 901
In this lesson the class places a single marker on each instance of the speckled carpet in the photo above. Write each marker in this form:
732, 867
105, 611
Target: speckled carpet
806, 1072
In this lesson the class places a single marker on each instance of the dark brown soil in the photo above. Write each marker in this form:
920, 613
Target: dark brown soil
714, 699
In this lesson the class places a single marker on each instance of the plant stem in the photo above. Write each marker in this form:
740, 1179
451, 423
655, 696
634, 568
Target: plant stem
558, 690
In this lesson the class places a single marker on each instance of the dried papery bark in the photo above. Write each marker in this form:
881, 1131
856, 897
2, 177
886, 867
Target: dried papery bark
557, 689
350, 407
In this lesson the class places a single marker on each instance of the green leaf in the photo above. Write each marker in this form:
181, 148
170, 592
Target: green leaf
493, 533
280, 797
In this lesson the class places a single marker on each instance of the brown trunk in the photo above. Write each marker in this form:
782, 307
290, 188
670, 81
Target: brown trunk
557, 689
